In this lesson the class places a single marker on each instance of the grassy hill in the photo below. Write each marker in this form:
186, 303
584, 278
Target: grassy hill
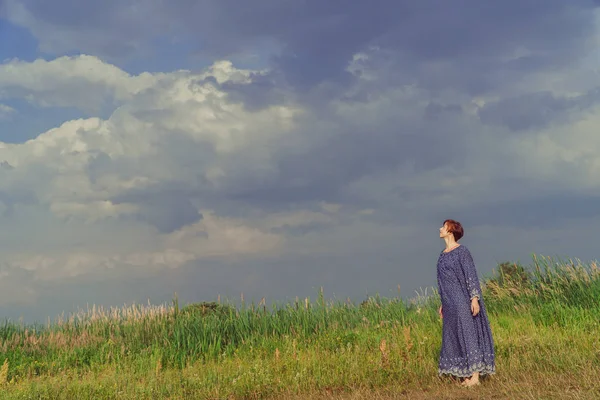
545, 320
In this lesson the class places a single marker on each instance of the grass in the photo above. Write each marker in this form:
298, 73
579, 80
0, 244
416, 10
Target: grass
544, 320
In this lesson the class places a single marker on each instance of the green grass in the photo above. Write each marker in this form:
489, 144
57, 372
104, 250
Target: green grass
544, 319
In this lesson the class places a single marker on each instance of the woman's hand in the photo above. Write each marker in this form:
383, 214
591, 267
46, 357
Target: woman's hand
475, 306
440, 312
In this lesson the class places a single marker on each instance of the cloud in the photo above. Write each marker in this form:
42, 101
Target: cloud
537, 110
196, 175
93, 31
82, 82
477, 48
155, 171
368, 126
6, 111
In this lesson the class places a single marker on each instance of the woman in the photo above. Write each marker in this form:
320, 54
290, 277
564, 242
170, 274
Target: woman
467, 343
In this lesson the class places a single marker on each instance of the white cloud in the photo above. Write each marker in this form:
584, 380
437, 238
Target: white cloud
212, 237
6, 111
77, 170
133, 136
87, 83
83, 82
566, 155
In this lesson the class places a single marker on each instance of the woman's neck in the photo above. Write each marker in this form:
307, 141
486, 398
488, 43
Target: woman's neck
450, 243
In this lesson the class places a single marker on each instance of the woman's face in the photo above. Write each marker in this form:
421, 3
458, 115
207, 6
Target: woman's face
444, 231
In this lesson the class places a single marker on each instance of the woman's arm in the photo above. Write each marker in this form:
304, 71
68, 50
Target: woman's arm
470, 274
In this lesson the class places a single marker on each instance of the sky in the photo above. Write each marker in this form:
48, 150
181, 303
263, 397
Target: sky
212, 148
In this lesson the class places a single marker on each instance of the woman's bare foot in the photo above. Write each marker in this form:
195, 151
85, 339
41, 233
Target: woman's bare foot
472, 381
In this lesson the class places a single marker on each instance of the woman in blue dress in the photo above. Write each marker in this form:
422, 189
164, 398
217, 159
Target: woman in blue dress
467, 343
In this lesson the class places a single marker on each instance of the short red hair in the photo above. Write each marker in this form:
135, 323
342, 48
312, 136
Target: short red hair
455, 228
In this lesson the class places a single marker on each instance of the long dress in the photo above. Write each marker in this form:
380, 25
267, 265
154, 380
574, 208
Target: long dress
467, 343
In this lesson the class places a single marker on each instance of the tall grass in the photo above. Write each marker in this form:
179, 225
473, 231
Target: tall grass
544, 319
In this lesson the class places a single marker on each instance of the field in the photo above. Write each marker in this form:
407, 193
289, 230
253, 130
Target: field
544, 317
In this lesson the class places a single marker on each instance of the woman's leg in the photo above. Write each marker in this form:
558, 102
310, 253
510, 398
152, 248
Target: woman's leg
472, 381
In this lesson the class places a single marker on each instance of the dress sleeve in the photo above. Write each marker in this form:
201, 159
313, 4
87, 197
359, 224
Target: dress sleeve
470, 274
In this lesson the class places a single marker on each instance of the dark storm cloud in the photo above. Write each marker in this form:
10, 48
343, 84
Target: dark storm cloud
168, 211
342, 152
299, 230
166, 207
546, 211
473, 41
535, 110
434, 110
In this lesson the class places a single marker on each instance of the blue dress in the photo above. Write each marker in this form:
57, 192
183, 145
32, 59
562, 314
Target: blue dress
467, 343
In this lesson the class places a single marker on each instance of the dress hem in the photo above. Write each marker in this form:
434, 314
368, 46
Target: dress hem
486, 370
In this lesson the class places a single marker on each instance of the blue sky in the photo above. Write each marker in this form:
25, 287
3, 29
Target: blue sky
17, 42
208, 148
